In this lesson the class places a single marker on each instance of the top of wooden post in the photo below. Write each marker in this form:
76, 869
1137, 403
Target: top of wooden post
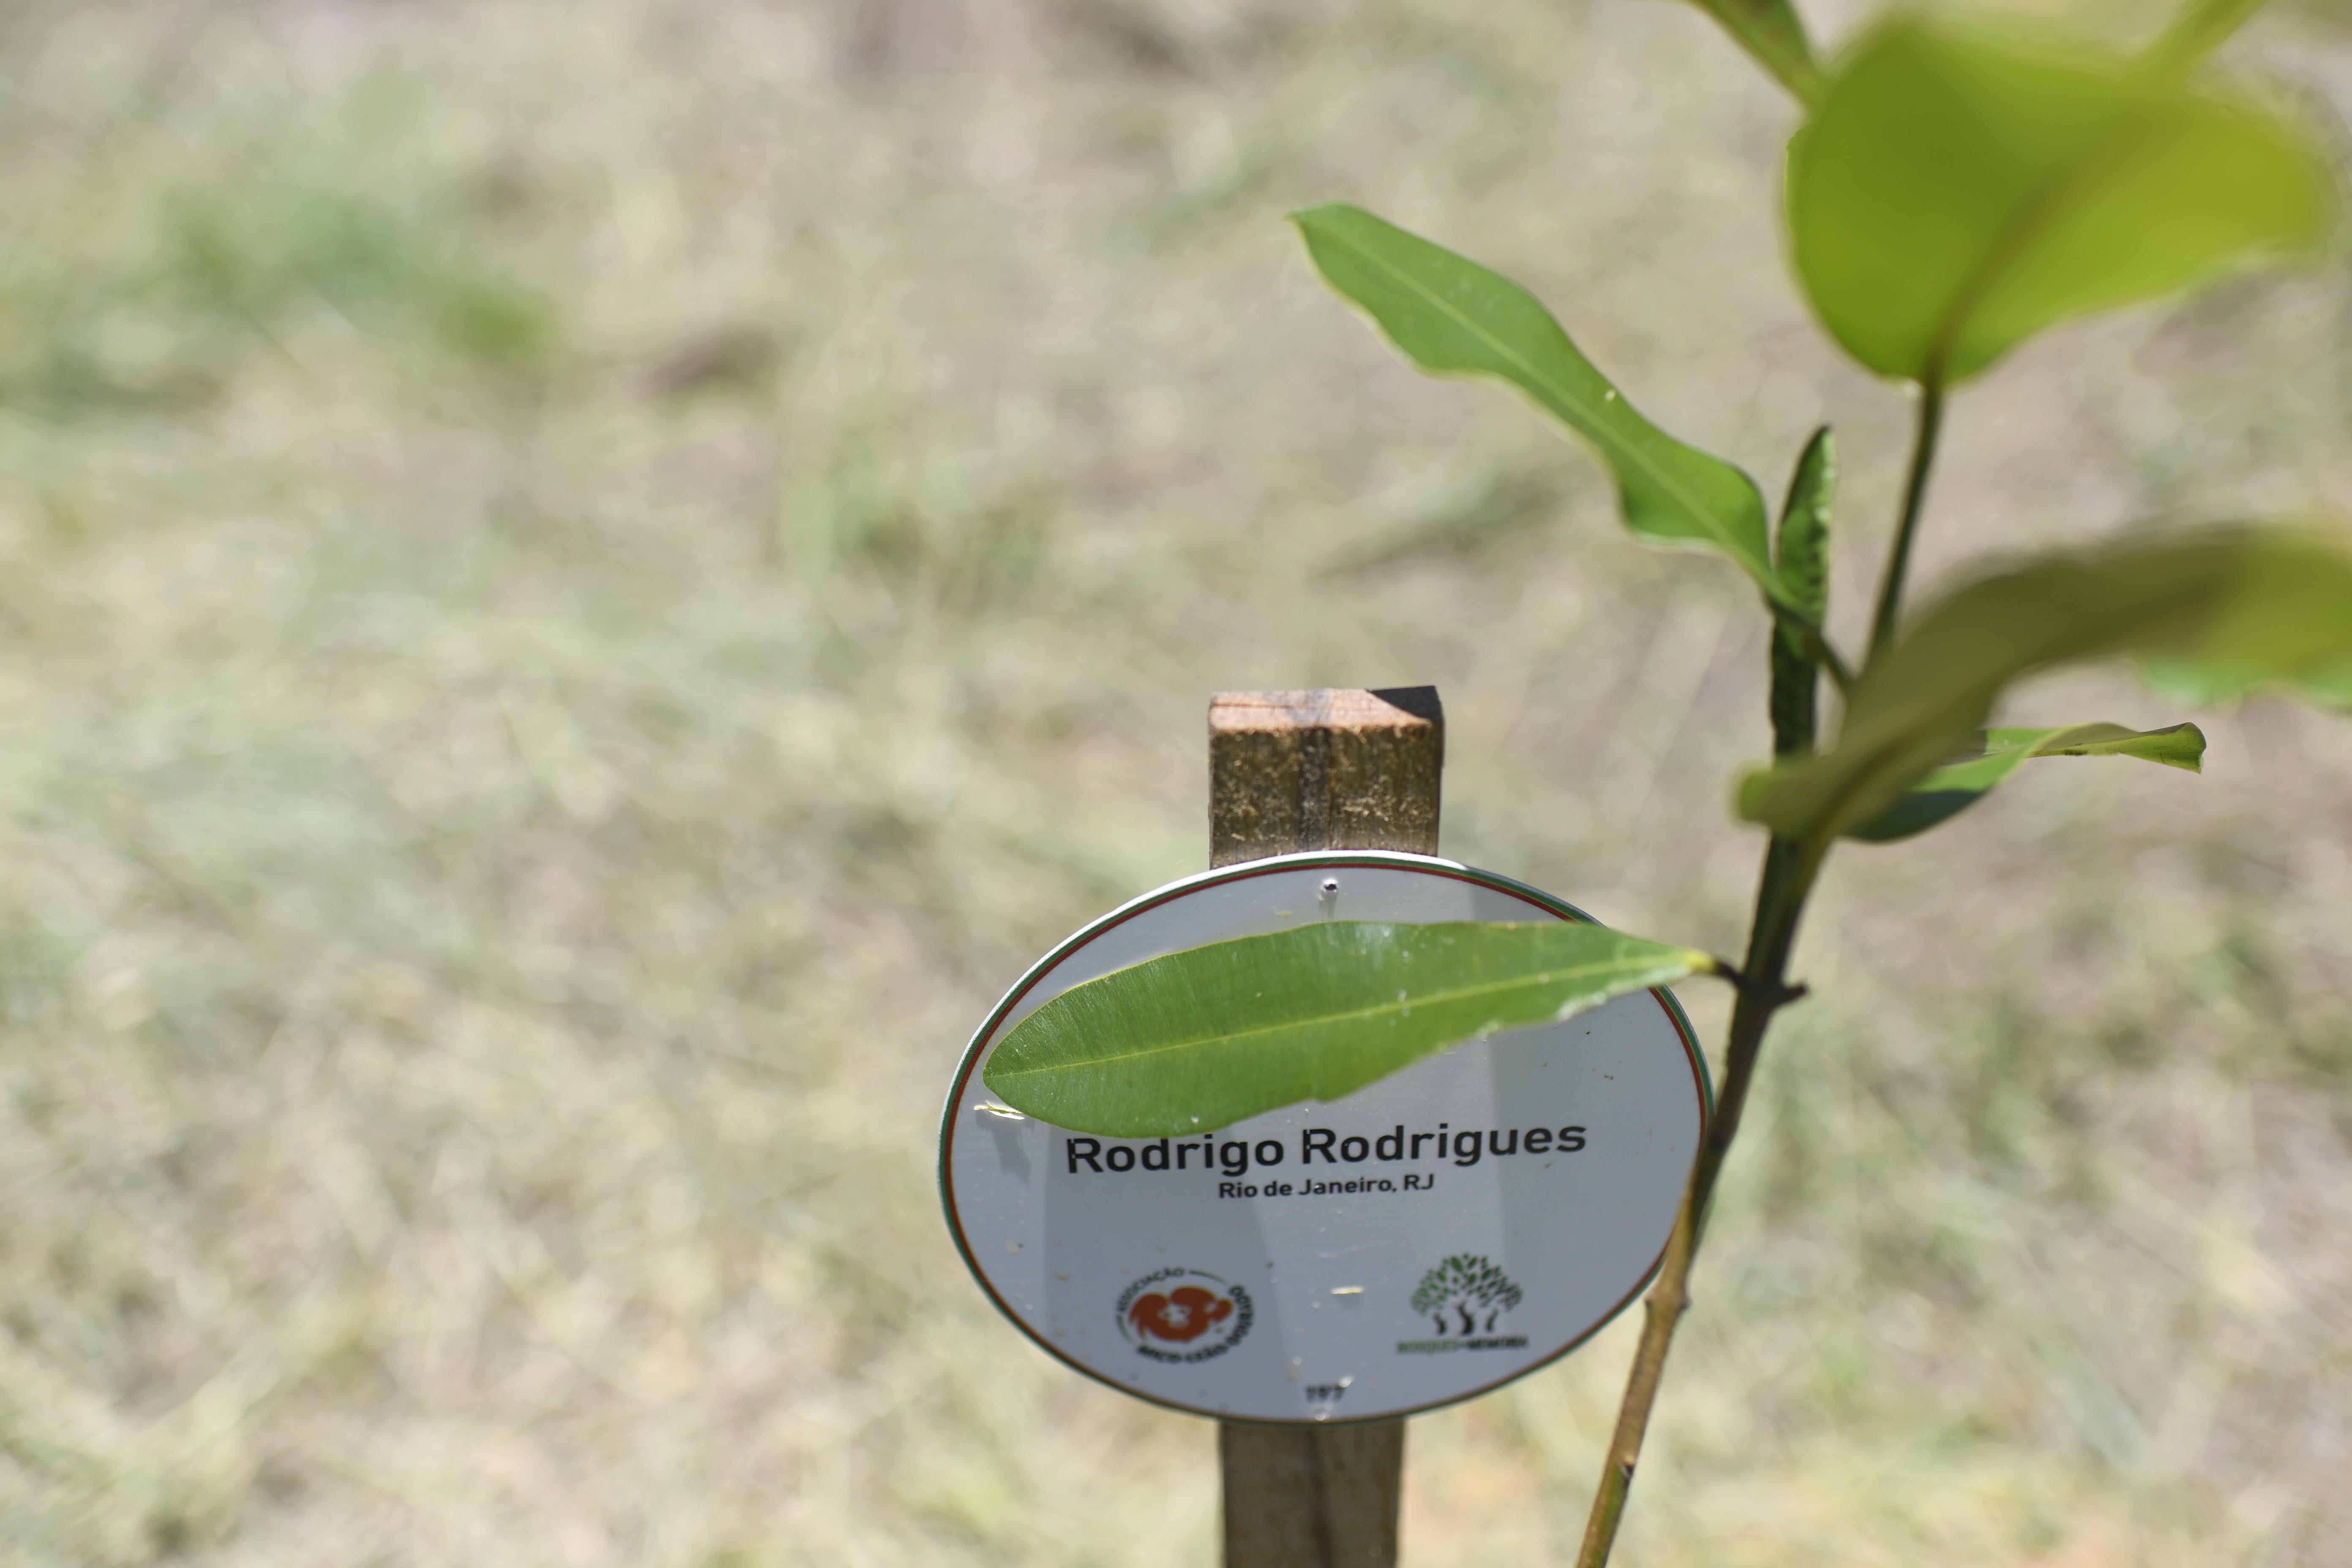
1323, 770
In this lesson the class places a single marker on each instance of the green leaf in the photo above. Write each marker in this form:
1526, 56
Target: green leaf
1450, 316
1771, 31
2199, 28
1957, 191
1198, 1040
2213, 685
1804, 571
1959, 784
2258, 606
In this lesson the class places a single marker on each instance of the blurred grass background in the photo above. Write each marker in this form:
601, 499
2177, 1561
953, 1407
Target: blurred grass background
581, 587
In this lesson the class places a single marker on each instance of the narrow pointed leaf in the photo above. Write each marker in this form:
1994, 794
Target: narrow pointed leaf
1771, 31
1959, 784
1200, 1039
1450, 316
2256, 607
1804, 571
1958, 190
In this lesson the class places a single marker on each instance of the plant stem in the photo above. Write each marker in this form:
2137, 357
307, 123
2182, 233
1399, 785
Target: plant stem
1914, 502
1788, 875
1819, 648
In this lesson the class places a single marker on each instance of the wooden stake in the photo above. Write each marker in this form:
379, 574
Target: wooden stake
1311, 1497
1319, 770
1323, 770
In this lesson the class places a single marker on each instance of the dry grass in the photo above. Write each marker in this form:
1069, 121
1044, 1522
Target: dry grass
582, 586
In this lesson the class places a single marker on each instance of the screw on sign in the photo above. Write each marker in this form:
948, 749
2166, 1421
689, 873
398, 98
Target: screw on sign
1309, 1275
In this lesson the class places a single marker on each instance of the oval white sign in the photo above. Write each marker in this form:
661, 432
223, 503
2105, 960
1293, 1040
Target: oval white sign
1425, 1239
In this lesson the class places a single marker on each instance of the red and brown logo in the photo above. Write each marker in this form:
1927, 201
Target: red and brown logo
1183, 1315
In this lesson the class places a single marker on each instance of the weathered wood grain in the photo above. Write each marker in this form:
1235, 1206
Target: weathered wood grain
1323, 770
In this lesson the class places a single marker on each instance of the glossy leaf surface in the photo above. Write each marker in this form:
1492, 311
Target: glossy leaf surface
1957, 191
1450, 316
1198, 1040
2256, 607
1958, 785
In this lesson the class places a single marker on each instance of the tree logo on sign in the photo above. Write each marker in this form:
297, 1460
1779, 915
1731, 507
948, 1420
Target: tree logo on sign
1464, 1295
